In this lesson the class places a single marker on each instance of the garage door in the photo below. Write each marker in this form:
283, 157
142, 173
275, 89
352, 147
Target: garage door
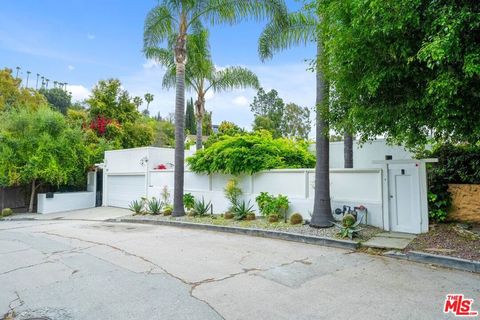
122, 190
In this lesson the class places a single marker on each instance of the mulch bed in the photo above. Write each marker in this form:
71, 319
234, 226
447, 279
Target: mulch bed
259, 223
452, 239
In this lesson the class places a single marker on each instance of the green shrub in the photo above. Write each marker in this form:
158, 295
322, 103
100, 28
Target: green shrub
6, 212
251, 153
136, 206
241, 210
188, 201
167, 210
456, 164
202, 208
296, 218
154, 206
271, 205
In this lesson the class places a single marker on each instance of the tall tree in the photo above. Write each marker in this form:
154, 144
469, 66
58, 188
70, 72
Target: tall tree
137, 101
177, 19
201, 75
58, 98
39, 147
296, 121
190, 118
406, 85
302, 28
268, 109
148, 98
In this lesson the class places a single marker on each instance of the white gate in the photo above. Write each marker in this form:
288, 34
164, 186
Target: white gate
404, 204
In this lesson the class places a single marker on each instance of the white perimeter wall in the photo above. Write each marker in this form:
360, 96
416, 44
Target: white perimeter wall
68, 201
365, 154
351, 187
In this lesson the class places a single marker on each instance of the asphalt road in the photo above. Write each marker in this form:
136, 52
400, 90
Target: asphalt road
80, 269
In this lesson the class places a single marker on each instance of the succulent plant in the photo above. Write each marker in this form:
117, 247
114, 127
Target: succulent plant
154, 206
250, 216
167, 210
6, 212
228, 215
296, 218
202, 208
273, 218
348, 220
136, 206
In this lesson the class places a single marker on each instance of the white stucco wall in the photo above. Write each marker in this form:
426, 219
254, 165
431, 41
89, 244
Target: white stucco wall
351, 187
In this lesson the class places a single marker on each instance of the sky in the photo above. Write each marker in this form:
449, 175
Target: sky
83, 41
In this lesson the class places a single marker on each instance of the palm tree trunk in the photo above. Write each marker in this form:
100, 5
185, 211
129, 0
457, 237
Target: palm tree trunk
348, 150
180, 59
322, 211
199, 143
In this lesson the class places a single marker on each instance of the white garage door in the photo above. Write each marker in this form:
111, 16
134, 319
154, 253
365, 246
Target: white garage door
122, 190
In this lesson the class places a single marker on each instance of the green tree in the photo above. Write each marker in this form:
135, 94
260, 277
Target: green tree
301, 28
229, 128
190, 118
201, 75
12, 95
177, 19
109, 100
296, 121
148, 98
39, 147
58, 98
268, 109
113, 116
405, 85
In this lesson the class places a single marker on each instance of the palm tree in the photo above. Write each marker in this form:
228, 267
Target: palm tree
137, 101
148, 98
28, 76
302, 28
177, 19
201, 75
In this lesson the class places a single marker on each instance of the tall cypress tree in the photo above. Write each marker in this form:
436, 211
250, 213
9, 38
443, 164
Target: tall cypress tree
190, 126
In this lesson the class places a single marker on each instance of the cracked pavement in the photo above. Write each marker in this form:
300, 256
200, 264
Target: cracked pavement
79, 269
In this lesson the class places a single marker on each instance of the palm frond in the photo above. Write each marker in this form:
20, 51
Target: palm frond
297, 29
159, 24
233, 78
232, 11
160, 55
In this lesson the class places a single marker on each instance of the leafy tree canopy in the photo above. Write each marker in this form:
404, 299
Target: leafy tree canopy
405, 68
250, 153
58, 98
39, 145
12, 95
281, 120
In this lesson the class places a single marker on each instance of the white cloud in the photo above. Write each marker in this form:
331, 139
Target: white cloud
241, 101
91, 36
70, 67
150, 64
79, 92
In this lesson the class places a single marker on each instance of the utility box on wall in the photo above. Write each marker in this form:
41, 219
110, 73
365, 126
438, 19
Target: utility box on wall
406, 200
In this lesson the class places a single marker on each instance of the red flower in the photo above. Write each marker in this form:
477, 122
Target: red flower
161, 167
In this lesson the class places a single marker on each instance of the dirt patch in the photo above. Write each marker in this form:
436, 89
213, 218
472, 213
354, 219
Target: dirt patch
453, 239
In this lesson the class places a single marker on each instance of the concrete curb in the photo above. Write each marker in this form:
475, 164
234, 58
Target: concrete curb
322, 241
438, 260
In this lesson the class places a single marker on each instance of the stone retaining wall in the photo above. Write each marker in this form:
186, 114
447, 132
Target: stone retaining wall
465, 202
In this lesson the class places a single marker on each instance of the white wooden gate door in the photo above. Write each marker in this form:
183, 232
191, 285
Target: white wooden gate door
404, 198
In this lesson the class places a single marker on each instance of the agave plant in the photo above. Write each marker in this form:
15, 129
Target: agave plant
154, 206
348, 227
242, 209
201, 208
136, 206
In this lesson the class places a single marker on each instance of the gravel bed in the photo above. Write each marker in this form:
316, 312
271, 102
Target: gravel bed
260, 223
449, 240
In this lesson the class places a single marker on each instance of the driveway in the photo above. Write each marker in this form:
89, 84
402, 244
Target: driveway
78, 269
